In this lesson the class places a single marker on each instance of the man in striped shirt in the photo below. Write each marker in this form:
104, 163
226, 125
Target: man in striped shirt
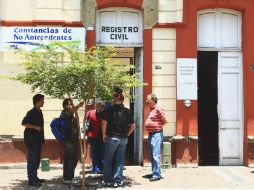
154, 125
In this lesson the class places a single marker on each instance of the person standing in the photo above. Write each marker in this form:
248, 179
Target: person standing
95, 137
117, 125
71, 142
34, 138
154, 126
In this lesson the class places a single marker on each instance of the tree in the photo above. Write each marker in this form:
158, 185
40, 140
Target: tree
62, 70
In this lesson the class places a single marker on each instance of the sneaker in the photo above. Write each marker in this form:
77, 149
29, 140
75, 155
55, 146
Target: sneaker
106, 184
34, 183
115, 185
120, 183
155, 179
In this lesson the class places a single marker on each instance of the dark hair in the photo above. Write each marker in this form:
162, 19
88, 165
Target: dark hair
118, 90
153, 97
100, 102
37, 98
65, 102
118, 94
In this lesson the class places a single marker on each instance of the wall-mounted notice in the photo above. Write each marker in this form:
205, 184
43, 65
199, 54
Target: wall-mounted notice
29, 38
186, 79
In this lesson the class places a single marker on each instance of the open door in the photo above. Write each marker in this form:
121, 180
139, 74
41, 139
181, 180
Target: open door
230, 108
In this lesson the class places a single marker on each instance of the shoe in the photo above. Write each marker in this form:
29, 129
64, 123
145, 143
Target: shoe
97, 171
115, 185
148, 176
106, 184
67, 181
155, 179
120, 183
34, 183
40, 180
75, 182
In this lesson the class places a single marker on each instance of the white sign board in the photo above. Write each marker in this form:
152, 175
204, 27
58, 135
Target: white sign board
119, 26
186, 79
28, 38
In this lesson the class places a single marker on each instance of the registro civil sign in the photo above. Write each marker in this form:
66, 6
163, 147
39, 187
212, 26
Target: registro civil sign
119, 26
29, 38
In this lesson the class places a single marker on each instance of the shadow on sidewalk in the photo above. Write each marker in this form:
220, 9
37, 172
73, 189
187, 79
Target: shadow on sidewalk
53, 184
92, 182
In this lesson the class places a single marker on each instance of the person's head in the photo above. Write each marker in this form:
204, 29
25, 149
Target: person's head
151, 100
118, 96
99, 106
38, 100
67, 103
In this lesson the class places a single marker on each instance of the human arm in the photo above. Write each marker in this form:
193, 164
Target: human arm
131, 129
75, 108
164, 121
30, 126
103, 127
28, 121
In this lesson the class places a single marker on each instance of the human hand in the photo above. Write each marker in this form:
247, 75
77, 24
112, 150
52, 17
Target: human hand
81, 104
105, 137
37, 128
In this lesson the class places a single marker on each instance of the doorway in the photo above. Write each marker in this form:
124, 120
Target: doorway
220, 92
134, 56
220, 108
207, 108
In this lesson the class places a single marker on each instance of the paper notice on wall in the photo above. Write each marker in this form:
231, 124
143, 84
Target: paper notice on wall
186, 79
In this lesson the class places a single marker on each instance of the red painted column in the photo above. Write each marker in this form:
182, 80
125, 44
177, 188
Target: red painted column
147, 76
147, 68
90, 38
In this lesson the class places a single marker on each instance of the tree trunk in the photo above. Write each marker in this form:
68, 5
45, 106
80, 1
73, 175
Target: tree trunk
82, 153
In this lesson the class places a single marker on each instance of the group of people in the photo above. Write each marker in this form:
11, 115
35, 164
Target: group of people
110, 127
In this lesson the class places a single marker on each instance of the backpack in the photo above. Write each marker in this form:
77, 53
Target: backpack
59, 128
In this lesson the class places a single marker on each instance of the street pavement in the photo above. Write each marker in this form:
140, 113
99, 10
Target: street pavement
13, 176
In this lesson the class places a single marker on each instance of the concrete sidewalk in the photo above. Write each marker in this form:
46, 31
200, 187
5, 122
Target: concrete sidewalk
201, 178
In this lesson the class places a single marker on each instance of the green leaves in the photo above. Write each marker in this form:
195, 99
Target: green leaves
61, 70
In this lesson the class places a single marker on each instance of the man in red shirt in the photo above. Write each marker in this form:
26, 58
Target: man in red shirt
95, 137
154, 125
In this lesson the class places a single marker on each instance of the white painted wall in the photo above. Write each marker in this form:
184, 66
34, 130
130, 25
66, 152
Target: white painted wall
170, 11
164, 79
27, 10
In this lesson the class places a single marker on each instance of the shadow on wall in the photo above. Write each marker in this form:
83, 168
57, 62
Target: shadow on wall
92, 182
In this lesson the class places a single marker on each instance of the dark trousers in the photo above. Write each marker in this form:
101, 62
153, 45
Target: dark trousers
33, 161
71, 157
97, 150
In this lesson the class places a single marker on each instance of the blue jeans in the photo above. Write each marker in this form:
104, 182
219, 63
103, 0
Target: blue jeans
33, 161
114, 149
155, 142
97, 149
